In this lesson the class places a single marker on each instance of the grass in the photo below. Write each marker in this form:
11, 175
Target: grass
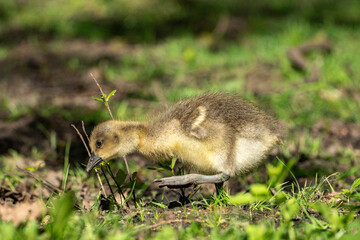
309, 191
295, 215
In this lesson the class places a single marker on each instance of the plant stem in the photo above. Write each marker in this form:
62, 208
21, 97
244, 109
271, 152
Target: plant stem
118, 186
107, 180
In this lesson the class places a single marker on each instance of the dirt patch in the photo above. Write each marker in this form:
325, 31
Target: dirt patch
337, 135
17, 207
57, 74
260, 79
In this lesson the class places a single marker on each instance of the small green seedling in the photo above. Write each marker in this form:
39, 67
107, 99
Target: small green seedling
105, 98
31, 169
350, 192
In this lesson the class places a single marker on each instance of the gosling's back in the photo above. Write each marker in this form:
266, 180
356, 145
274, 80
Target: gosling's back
216, 133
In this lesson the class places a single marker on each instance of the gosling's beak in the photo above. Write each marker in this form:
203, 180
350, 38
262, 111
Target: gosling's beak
93, 162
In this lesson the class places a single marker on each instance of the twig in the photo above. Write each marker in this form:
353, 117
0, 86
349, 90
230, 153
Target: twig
131, 179
101, 184
297, 55
102, 92
82, 139
84, 130
87, 149
46, 184
298, 61
127, 167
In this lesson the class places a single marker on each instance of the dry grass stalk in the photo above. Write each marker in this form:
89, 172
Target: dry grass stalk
87, 149
103, 94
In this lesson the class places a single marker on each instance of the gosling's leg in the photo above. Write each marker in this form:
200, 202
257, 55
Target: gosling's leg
191, 179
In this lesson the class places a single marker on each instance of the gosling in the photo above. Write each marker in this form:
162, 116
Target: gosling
215, 135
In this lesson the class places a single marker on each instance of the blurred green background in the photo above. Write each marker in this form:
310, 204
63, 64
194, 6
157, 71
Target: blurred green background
298, 60
156, 52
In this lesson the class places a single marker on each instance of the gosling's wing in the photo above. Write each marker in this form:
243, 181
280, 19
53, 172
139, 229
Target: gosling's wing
194, 124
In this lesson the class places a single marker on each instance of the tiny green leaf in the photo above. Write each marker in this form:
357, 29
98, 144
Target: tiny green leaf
132, 189
110, 95
355, 184
173, 162
163, 206
120, 176
346, 192
31, 169
98, 99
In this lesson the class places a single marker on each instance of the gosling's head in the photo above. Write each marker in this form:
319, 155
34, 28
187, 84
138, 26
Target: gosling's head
109, 140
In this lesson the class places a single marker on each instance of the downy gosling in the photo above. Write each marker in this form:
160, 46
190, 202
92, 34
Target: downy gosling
215, 135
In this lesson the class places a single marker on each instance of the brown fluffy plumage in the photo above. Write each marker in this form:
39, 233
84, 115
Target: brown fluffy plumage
213, 133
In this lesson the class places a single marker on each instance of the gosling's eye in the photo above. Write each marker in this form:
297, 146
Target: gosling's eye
99, 143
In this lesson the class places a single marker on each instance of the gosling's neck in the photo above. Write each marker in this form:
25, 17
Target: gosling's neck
153, 141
